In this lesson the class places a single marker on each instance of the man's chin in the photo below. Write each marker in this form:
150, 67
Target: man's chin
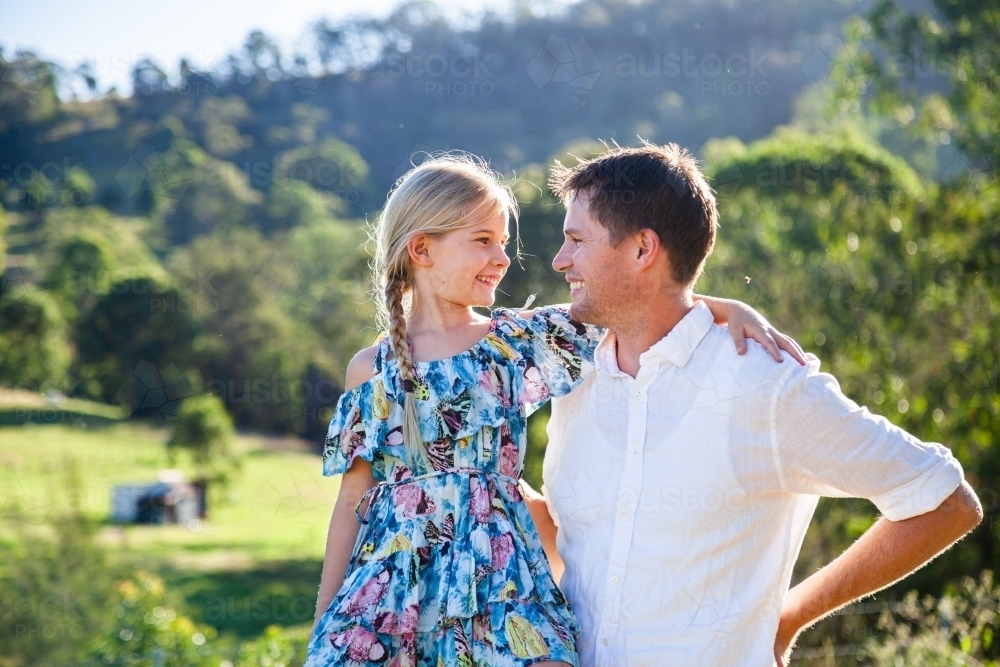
580, 311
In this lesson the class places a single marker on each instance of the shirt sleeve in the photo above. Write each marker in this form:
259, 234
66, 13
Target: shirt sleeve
353, 430
558, 354
826, 444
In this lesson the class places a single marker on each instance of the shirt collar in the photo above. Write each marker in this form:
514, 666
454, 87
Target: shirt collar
676, 347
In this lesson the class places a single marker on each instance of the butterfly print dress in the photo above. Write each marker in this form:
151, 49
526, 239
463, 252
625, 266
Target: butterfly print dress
448, 568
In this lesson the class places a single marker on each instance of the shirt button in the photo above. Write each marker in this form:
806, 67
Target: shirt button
605, 641
615, 578
634, 455
625, 517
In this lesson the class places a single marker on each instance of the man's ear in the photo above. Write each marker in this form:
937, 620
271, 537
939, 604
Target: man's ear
647, 249
418, 247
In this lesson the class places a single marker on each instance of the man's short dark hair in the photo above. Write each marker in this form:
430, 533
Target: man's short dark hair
649, 187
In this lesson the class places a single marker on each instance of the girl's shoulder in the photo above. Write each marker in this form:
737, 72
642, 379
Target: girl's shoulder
362, 368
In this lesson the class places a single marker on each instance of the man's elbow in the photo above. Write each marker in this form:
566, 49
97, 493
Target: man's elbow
965, 508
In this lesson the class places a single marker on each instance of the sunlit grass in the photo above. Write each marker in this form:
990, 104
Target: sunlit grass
278, 506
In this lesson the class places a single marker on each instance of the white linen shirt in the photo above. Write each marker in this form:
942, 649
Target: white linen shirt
682, 496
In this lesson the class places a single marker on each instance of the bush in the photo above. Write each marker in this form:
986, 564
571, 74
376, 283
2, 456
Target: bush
144, 631
205, 430
275, 648
55, 585
956, 629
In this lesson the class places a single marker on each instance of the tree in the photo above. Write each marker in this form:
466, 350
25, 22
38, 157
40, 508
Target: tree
207, 194
148, 78
205, 430
80, 274
263, 54
138, 320
27, 91
934, 72
33, 350
250, 350
3, 244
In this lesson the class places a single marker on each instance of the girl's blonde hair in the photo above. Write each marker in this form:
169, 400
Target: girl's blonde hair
446, 192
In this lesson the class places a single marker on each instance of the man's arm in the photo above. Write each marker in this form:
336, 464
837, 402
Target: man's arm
886, 553
826, 444
547, 529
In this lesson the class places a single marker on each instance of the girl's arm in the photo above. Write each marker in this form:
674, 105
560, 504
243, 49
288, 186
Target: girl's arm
745, 322
343, 533
344, 525
547, 529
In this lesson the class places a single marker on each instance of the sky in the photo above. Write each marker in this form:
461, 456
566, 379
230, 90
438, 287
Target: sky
115, 34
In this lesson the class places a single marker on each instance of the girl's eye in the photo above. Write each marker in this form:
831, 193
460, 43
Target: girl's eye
485, 240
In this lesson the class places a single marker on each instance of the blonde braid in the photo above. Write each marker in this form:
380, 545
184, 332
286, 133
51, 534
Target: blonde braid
412, 440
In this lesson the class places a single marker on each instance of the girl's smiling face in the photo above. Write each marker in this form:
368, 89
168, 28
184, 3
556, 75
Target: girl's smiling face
464, 266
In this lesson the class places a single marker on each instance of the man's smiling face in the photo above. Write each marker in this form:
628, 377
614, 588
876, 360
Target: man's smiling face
597, 272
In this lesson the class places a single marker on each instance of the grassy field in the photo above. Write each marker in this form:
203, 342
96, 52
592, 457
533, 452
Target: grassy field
255, 561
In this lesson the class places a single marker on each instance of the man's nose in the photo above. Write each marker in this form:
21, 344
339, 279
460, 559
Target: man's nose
561, 262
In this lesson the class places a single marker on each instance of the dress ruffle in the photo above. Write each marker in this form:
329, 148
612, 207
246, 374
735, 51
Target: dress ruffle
354, 430
441, 564
509, 634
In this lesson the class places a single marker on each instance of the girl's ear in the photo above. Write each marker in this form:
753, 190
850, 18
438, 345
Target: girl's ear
418, 248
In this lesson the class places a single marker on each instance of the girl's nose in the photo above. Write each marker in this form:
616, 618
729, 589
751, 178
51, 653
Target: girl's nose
502, 259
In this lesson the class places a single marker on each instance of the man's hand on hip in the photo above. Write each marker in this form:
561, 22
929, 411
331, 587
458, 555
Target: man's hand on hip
886, 553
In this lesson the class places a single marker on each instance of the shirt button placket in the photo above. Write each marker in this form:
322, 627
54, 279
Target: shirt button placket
631, 486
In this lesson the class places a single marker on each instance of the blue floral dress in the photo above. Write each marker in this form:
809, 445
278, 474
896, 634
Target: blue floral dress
448, 568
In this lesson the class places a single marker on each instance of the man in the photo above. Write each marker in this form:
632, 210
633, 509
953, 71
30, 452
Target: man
680, 477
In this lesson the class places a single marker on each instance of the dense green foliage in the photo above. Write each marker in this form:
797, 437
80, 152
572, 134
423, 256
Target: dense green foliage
207, 234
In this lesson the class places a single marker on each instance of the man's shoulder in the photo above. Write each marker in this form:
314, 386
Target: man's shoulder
756, 365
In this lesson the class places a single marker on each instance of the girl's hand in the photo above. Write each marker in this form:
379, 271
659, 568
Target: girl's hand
745, 322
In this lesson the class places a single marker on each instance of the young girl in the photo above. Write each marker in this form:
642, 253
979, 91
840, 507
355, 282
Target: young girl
446, 566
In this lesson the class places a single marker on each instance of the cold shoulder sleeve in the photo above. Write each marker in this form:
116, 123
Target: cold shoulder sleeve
557, 353
358, 425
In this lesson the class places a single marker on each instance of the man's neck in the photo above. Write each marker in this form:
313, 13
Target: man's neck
647, 326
